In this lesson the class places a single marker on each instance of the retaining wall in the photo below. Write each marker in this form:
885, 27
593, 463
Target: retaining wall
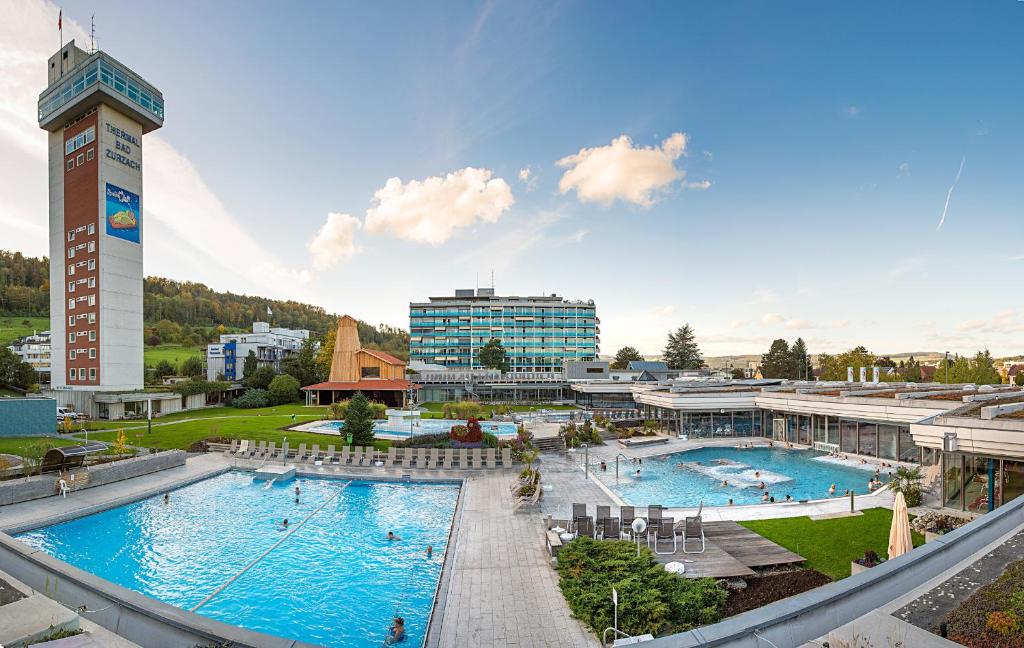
30, 416
802, 618
14, 491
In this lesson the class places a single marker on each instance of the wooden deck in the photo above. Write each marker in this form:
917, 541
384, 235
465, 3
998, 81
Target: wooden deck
730, 551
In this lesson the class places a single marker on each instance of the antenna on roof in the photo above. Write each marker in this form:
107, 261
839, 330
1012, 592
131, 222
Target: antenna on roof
92, 34
492, 278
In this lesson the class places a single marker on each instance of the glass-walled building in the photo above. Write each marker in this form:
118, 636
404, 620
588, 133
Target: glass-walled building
539, 334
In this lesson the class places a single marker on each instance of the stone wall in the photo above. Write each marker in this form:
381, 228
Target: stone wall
22, 490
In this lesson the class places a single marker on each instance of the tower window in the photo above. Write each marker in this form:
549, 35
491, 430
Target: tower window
90, 154
71, 164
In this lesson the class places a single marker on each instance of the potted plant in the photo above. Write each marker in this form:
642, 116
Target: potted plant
867, 561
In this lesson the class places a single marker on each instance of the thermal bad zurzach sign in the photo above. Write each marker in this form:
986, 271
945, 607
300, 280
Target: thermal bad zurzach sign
124, 144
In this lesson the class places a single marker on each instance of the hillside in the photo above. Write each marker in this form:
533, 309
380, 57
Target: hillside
179, 314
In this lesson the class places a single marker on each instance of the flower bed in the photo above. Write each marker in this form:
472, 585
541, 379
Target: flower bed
993, 617
937, 523
762, 590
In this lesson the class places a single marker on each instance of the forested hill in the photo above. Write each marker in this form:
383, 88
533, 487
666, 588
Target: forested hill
24, 292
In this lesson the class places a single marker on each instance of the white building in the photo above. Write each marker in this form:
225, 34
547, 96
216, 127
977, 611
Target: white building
225, 359
35, 350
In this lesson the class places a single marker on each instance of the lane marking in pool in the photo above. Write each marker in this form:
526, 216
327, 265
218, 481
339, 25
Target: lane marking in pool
277, 544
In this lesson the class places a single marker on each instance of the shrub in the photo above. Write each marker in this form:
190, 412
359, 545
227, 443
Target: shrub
338, 410
253, 398
441, 440
463, 410
994, 614
651, 600
260, 378
379, 410
283, 389
908, 482
869, 559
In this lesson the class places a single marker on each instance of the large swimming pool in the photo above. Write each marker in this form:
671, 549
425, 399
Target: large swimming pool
684, 479
336, 581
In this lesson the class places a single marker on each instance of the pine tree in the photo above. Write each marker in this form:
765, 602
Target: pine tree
493, 355
681, 351
910, 371
777, 363
359, 420
624, 356
249, 365
801, 361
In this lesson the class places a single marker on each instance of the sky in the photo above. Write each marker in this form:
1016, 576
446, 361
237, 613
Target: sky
844, 172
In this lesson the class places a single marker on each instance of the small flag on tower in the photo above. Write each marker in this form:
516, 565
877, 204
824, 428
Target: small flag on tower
60, 19
270, 313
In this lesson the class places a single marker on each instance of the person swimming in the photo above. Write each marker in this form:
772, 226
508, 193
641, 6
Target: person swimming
730, 502
430, 551
771, 500
760, 486
392, 536
167, 498
789, 498
764, 498
725, 482
284, 524
757, 473
396, 632
832, 489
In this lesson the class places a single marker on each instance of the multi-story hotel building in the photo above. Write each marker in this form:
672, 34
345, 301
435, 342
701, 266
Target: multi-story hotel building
539, 333
225, 360
96, 111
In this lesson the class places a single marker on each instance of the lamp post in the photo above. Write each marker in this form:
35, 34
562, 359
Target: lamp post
947, 367
586, 460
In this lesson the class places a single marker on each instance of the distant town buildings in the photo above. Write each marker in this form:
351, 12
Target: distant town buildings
35, 350
225, 359
539, 333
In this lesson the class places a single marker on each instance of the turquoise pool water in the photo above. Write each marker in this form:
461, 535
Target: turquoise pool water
685, 478
336, 581
500, 429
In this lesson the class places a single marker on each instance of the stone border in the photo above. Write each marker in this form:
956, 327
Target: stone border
805, 617
148, 621
432, 636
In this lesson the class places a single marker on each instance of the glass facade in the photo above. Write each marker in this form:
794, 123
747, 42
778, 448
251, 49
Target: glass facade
538, 334
978, 484
110, 74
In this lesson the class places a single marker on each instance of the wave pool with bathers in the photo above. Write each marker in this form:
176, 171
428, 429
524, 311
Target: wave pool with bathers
335, 581
683, 479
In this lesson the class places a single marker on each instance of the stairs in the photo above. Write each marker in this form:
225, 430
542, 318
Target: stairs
550, 444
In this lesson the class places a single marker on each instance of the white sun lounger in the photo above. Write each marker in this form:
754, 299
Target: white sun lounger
449, 457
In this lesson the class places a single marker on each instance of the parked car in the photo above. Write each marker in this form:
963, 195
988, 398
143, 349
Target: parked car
66, 413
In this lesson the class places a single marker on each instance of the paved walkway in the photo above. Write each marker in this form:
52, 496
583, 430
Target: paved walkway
503, 590
48, 510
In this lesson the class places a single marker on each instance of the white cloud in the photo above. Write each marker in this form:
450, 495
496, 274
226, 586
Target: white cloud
528, 178
903, 170
502, 252
970, 325
434, 209
700, 185
772, 318
737, 324
579, 235
334, 241
840, 323
667, 309
852, 112
621, 171
524, 174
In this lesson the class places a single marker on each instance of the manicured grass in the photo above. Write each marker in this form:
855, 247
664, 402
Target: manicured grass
177, 431
11, 327
831, 545
18, 445
173, 353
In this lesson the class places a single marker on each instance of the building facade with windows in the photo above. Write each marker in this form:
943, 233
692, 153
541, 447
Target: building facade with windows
35, 351
225, 360
539, 333
96, 111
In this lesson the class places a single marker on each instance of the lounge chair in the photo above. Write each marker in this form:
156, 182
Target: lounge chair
506, 457
390, 459
611, 529
243, 448
314, 454
357, 455
432, 457
654, 512
255, 449
407, 458
449, 457
579, 516
693, 529
627, 515
489, 458
301, 452
233, 449
664, 532
345, 453
421, 457
270, 452
477, 459
329, 457
463, 458
603, 513
585, 527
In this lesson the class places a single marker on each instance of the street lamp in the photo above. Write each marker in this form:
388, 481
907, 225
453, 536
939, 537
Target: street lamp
947, 367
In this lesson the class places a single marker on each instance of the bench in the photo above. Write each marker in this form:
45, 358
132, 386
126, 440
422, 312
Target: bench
636, 442
554, 543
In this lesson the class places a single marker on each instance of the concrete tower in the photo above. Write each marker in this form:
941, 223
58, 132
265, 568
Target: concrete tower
96, 111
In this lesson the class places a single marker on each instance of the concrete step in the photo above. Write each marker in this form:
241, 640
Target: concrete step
33, 618
549, 444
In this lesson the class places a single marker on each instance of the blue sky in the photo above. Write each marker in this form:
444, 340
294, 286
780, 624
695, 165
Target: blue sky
821, 141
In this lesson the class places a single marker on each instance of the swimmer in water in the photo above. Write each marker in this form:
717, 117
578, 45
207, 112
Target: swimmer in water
730, 502
396, 632
430, 551
167, 498
832, 489
764, 498
725, 482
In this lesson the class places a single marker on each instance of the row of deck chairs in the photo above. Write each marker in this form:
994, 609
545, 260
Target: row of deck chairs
444, 458
662, 529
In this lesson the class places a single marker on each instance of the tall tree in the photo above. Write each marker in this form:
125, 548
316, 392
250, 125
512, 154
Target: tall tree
910, 371
681, 350
777, 363
493, 355
303, 366
192, 366
983, 370
833, 367
624, 356
359, 420
801, 360
249, 365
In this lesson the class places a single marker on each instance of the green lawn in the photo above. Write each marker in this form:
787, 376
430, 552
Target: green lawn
830, 545
176, 431
17, 445
11, 327
173, 353
436, 410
